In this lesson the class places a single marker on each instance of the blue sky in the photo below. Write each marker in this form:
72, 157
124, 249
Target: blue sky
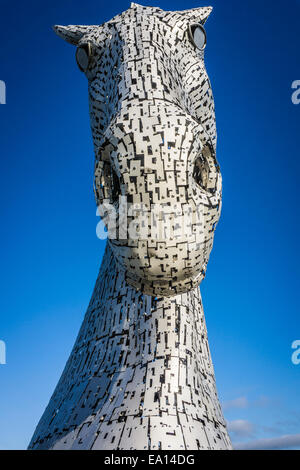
49, 250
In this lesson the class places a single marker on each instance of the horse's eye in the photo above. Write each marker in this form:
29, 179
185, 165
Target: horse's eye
83, 56
198, 36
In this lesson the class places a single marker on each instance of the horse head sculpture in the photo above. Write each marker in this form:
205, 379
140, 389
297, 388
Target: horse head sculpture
153, 125
140, 375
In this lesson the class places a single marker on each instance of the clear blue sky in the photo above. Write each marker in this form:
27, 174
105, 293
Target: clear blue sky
50, 255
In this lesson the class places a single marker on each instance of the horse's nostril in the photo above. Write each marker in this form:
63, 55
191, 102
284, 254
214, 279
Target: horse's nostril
201, 172
206, 169
115, 186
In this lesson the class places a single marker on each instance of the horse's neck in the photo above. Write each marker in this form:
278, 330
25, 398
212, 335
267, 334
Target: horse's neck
159, 345
139, 376
154, 327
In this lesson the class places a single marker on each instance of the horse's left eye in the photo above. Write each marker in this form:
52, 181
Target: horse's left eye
198, 36
83, 56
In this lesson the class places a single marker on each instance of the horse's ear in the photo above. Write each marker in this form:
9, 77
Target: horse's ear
198, 15
72, 33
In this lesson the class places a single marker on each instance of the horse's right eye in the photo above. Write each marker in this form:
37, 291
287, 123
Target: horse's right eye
83, 56
198, 36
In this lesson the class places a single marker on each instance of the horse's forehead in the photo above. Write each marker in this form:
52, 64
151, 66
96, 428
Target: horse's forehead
138, 13
136, 16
